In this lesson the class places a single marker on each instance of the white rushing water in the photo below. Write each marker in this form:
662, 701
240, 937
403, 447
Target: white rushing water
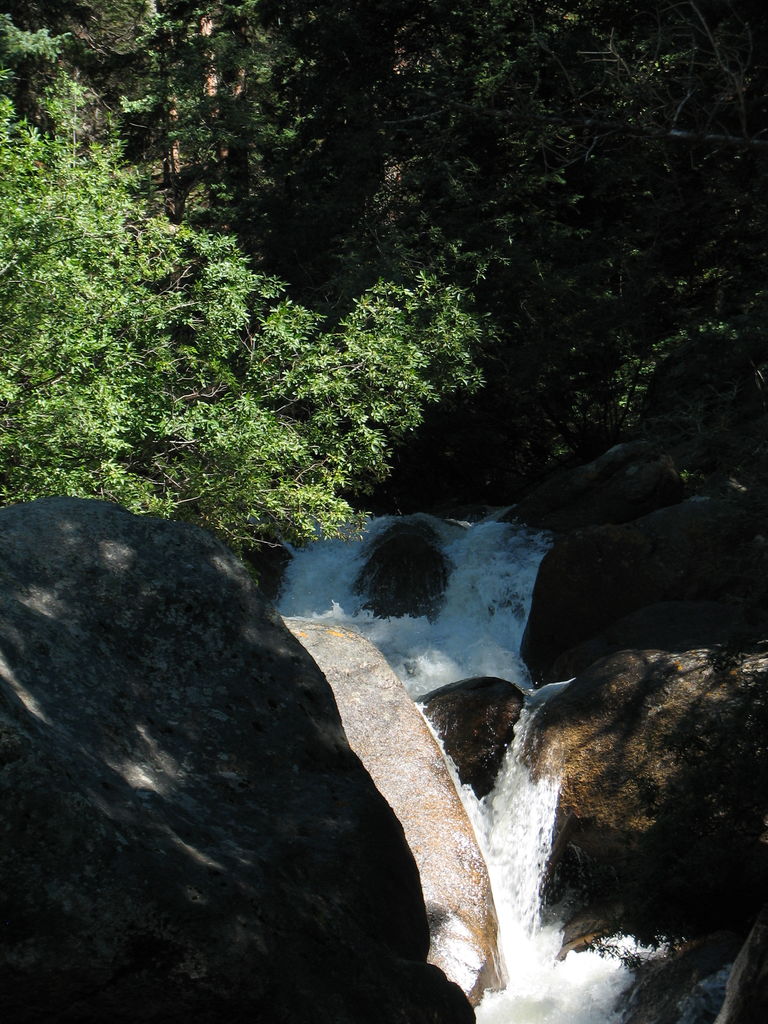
478, 632
515, 824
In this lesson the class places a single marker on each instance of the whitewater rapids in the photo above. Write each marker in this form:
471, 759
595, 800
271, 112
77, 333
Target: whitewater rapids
478, 632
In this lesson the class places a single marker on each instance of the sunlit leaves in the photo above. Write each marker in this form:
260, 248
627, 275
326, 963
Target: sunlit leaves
149, 365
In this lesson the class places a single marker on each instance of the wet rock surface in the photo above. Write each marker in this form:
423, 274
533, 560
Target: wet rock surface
688, 985
186, 834
387, 731
586, 927
405, 571
746, 993
475, 720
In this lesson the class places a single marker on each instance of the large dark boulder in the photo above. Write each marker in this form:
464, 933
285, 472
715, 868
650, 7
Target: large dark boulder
664, 780
673, 626
628, 481
186, 834
475, 720
687, 986
405, 571
703, 550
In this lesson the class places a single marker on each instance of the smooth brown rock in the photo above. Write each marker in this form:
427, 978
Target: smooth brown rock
586, 926
664, 775
185, 833
475, 720
389, 734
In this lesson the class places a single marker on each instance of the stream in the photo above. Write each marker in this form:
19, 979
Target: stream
478, 632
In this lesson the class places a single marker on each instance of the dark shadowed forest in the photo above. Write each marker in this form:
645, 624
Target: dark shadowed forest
264, 263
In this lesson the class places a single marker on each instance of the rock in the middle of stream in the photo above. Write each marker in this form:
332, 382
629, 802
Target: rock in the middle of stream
387, 732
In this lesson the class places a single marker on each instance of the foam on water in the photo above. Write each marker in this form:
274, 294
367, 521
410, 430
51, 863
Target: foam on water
515, 823
478, 632
479, 628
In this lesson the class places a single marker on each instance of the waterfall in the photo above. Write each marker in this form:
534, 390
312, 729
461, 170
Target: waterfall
515, 825
480, 626
478, 632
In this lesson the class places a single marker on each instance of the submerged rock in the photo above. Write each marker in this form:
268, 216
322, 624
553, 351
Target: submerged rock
387, 731
405, 571
186, 834
475, 720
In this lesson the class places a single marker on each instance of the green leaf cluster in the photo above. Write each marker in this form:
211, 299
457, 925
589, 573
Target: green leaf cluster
560, 161
148, 364
17, 44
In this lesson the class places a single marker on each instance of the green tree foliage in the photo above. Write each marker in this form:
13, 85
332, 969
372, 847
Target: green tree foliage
593, 173
194, 104
150, 365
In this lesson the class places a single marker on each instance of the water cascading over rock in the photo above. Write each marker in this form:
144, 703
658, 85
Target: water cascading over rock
389, 735
475, 720
405, 571
475, 633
